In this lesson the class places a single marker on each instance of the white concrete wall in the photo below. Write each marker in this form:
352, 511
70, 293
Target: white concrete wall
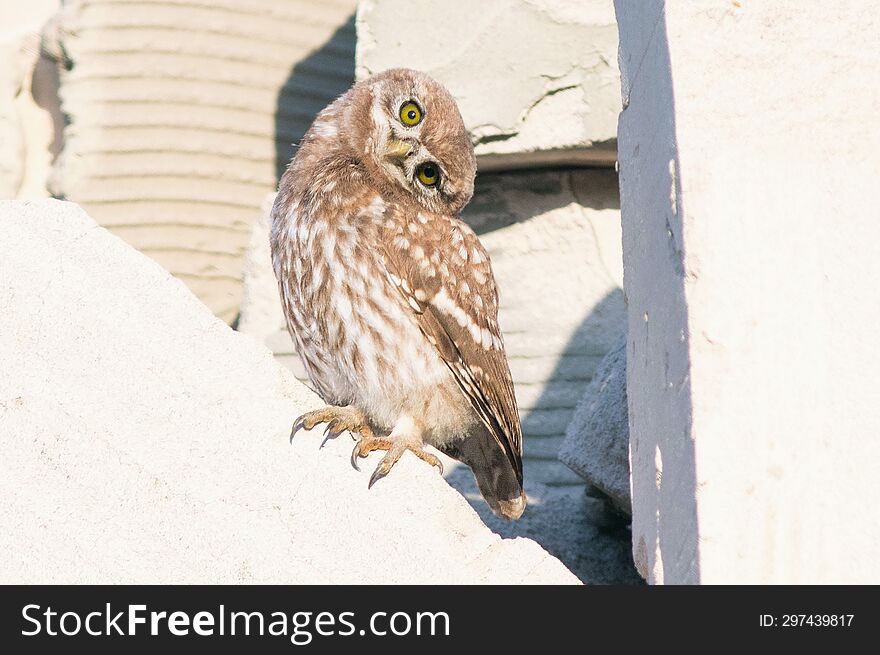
536, 80
749, 159
184, 113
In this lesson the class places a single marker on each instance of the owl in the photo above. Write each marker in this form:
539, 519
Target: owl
388, 295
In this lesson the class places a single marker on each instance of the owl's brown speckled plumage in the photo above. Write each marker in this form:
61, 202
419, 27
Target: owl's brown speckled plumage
388, 295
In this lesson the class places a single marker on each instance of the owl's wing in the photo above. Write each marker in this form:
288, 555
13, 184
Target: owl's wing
444, 274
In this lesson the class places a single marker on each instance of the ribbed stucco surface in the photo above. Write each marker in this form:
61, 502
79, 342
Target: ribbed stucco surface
182, 113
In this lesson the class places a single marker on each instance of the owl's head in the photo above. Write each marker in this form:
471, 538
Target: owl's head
408, 131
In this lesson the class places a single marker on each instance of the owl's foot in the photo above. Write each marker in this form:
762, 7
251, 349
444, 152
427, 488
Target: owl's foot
395, 448
338, 420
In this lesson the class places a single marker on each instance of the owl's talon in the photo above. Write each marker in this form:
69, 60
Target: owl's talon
332, 431
395, 449
365, 446
307, 421
341, 419
327, 437
380, 472
297, 426
355, 453
338, 420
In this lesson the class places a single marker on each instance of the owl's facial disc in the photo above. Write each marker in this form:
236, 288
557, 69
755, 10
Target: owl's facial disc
416, 141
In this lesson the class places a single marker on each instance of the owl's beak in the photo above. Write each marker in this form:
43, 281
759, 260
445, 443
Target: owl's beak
397, 150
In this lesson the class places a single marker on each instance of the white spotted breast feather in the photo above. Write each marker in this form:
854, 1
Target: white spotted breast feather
443, 272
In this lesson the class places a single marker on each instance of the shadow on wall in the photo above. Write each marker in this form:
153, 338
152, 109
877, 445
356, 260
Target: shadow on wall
575, 523
572, 374
314, 82
658, 367
45, 84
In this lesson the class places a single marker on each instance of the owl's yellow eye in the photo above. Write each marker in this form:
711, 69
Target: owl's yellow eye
428, 174
410, 114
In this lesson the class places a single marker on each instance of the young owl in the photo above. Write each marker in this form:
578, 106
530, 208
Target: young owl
388, 295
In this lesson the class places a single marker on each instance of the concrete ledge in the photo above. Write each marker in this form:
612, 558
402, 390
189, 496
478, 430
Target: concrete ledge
144, 441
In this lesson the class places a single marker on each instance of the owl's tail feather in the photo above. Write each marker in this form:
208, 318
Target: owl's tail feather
493, 471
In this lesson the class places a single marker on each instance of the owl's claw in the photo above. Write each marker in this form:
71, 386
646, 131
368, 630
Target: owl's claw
297, 426
334, 429
354, 457
351, 419
327, 436
377, 474
395, 449
367, 445
338, 420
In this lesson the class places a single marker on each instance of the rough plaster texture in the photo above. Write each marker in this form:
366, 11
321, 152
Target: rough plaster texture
554, 240
536, 80
749, 160
596, 442
130, 456
183, 114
